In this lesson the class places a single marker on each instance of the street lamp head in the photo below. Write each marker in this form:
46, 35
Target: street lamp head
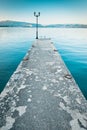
37, 15
34, 13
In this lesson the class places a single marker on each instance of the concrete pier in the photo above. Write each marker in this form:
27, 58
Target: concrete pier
42, 94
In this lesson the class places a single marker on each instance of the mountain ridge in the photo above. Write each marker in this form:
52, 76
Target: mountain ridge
10, 23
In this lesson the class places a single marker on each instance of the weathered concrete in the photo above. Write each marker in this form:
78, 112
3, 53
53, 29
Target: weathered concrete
42, 95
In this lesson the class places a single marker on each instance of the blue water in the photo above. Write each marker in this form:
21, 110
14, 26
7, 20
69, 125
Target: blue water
73, 49
71, 43
14, 44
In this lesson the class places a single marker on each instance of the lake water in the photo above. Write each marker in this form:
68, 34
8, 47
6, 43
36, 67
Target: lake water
71, 44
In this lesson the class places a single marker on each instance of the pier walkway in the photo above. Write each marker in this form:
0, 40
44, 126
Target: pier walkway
42, 94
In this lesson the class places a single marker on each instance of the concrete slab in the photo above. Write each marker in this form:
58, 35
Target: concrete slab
42, 94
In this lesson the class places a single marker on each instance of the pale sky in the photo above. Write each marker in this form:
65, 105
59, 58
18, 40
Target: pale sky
52, 11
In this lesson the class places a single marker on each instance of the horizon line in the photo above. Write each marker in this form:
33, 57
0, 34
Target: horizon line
40, 23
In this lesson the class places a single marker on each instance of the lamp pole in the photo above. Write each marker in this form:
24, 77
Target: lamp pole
36, 15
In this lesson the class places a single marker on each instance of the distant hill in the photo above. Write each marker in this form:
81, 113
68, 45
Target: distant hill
9, 23
67, 26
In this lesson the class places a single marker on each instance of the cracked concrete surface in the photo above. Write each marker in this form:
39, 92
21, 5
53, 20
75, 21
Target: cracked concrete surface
42, 94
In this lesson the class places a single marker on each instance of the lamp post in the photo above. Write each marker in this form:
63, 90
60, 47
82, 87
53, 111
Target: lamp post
36, 15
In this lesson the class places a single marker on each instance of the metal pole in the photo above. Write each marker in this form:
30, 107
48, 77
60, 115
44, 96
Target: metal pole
36, 15
37, 27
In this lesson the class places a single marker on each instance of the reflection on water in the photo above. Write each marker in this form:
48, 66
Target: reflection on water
71, 43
